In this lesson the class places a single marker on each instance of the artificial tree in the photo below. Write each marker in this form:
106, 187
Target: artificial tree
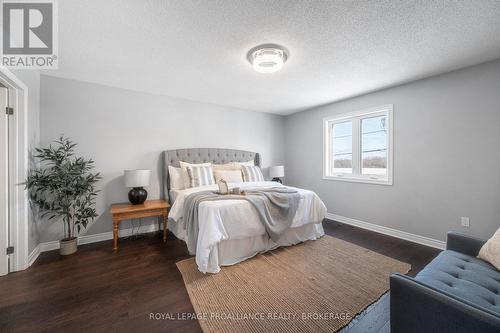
63, 187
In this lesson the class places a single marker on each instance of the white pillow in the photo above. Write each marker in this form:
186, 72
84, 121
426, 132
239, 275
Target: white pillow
185, 175
490, 251
227, 166
184, 165
238, 165
179, 178
252, 174
230, 176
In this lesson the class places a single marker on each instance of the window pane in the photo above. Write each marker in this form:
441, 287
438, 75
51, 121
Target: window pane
342, 147
374, 146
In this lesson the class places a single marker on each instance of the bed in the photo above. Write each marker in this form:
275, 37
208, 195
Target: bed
230, 230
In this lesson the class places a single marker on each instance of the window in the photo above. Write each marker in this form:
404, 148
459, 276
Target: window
358, 146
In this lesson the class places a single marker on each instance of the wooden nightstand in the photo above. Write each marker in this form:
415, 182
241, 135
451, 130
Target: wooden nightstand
127, 211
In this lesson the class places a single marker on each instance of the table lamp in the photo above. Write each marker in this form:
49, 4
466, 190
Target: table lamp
136, 179
277, 172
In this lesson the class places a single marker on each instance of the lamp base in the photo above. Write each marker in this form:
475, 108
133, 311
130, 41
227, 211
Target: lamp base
137, 195
276, 179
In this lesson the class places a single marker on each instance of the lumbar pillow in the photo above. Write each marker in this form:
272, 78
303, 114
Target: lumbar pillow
230, 176
252, 174
490, 251
179, 179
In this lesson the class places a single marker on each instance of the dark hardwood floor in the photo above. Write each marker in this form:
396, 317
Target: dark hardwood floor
97, 290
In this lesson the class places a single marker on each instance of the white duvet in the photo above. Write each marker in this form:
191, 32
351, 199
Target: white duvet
231, 220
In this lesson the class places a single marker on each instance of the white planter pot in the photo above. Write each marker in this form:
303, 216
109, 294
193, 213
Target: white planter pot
67, 247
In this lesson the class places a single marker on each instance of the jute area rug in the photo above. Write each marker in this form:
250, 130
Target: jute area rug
316, 286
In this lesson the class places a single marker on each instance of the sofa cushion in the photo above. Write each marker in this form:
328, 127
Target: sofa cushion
464, 277
490, 252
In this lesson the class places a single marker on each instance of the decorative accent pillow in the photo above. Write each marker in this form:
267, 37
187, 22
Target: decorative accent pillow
230, 176
252, 174
185, 175
178, 178
201, 175
490, 251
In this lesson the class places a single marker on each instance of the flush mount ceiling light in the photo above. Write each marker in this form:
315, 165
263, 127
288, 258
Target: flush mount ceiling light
267, 58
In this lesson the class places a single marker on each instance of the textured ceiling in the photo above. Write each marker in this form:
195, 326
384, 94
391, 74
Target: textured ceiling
197, 49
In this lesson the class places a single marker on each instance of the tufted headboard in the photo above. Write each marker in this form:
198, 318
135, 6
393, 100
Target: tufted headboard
202, 155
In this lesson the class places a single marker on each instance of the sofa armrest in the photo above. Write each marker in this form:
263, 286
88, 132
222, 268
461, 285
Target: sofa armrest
464, 244
417, 307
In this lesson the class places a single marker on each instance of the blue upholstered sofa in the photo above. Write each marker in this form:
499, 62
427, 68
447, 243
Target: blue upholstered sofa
455, 293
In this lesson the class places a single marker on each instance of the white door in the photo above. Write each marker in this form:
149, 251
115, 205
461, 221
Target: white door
4, 181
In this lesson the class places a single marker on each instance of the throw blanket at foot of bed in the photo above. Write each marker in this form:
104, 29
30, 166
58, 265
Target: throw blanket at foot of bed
275, 206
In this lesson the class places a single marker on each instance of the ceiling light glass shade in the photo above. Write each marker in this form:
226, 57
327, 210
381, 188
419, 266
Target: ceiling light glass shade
268, 59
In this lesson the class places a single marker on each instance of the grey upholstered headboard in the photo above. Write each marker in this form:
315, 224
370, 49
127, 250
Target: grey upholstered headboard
202, 155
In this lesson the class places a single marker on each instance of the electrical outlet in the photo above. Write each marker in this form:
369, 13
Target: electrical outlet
465, 222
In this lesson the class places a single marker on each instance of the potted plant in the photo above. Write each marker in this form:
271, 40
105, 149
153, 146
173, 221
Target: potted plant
62, 187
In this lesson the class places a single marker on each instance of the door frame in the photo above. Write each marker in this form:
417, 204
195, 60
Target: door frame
4, 181
18, 169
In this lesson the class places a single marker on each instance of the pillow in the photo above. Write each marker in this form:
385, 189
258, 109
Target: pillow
230, 176
185, 175
178, 178
184, 165
201, 175
490, 251
252, 174
227, 166
238, 165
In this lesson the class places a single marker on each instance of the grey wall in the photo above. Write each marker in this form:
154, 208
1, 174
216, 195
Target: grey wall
446, 157
122, 129
31, 78
446, 137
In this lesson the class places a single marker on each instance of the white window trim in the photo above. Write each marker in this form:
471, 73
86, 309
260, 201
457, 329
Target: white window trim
356, 156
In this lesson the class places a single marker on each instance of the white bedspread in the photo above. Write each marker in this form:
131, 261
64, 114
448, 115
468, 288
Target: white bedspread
237, 219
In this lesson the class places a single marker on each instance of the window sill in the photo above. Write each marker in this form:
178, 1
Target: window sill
351, 179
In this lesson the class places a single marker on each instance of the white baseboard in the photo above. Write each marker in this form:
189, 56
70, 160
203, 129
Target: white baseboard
34, 255
389, 231
87, 239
